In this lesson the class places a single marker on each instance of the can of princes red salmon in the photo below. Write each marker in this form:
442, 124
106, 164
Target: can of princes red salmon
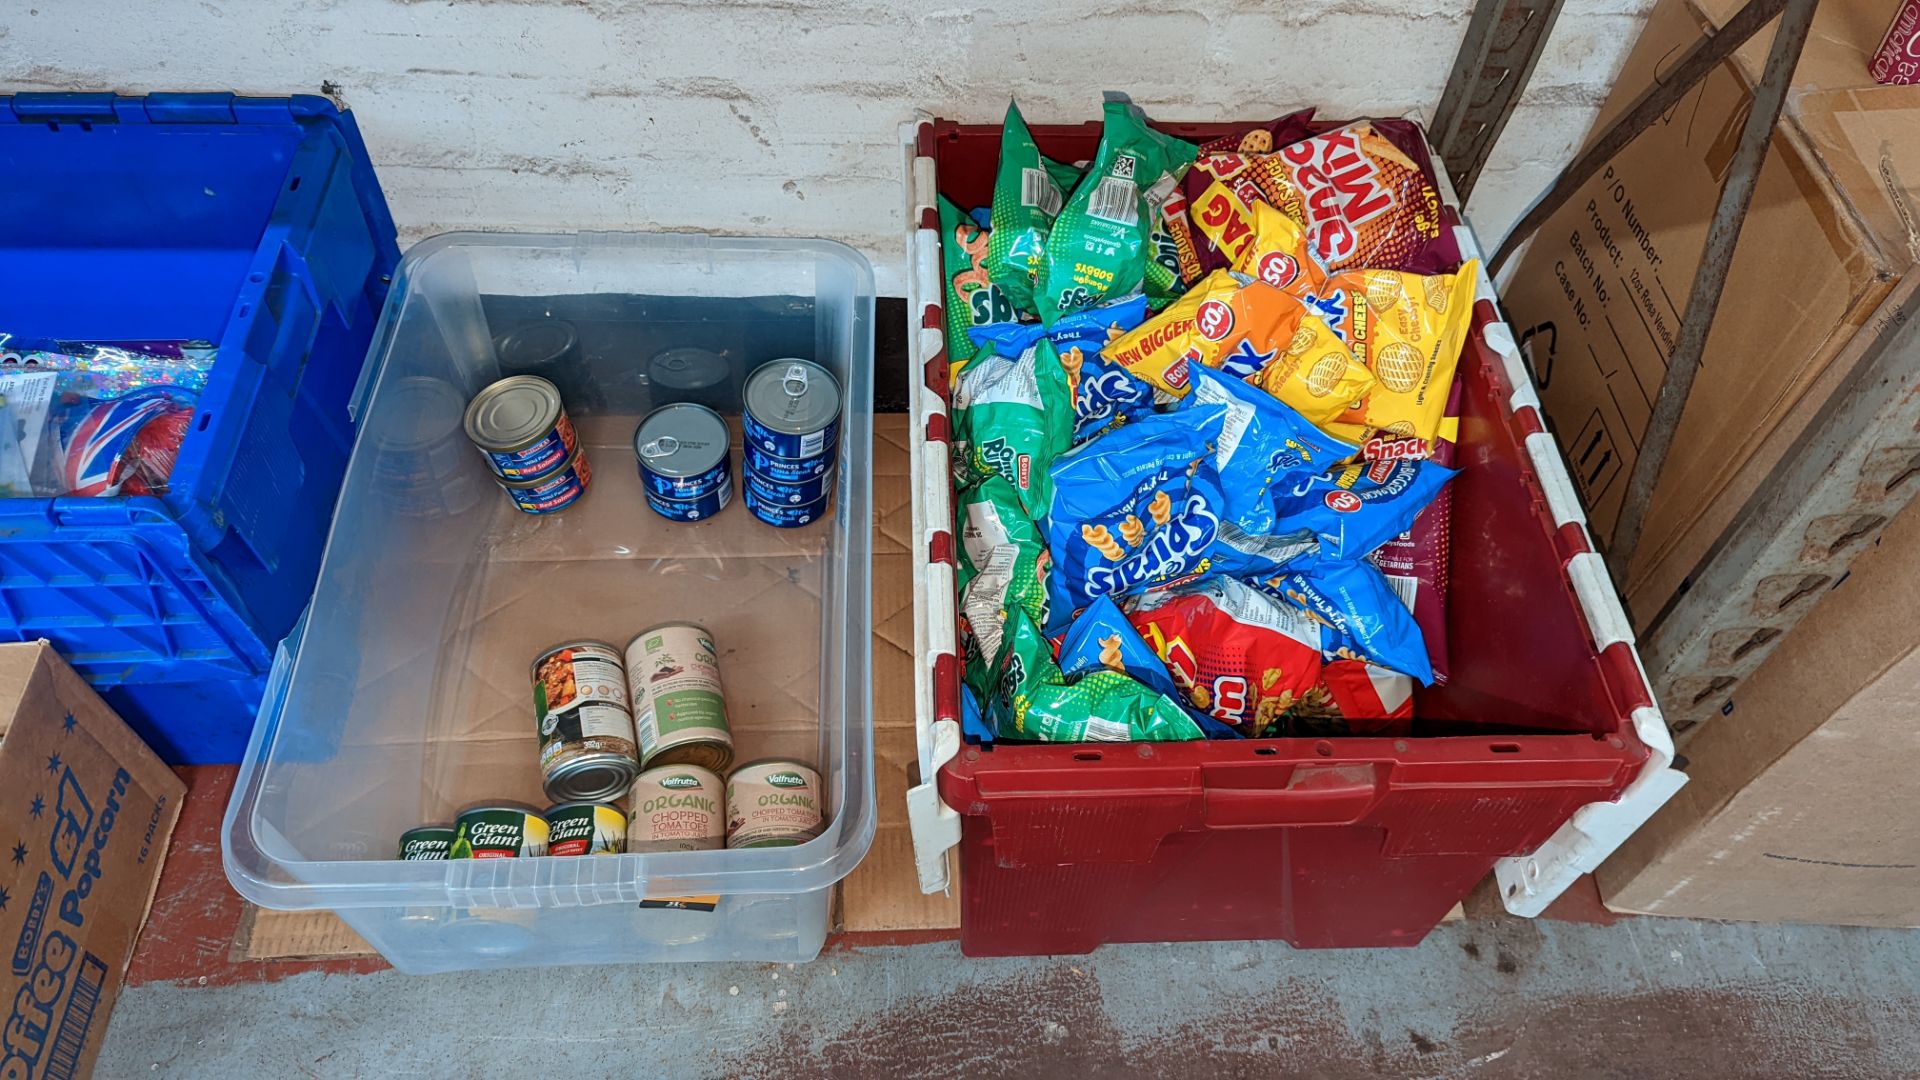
773, 803
498, 831
580, 711
554, 492
680, 711
677, 808
521, 428
586, 828
792, 410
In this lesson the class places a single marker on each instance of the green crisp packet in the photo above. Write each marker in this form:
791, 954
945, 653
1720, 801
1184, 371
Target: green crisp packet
1027, 194
1098, 247
972, 300
1034, 700
1013, 418
1003, 565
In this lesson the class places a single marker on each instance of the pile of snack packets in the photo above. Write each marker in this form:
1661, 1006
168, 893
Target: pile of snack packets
1204, 413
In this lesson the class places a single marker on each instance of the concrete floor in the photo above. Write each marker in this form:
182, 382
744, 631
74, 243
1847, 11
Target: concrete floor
1482, 998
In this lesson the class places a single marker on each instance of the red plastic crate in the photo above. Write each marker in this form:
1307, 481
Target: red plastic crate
1541, 754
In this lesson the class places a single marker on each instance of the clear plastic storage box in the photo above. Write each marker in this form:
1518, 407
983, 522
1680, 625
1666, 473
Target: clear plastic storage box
406, 696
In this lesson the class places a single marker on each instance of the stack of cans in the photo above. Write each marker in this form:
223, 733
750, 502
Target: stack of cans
683, 455
522, 429
792, 428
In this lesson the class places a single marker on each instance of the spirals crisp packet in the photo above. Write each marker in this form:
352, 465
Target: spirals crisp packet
1359, 615
1237, 655
1353, 509
1104, 395
1263, 442
1034, 699
1363, 200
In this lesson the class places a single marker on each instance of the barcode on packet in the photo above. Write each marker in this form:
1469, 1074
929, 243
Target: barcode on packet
1116, 199
1406, 588
1101, 730
1038, 190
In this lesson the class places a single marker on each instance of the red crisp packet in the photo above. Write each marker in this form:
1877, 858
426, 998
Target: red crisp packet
1365, 200
1237, 655
1415, 562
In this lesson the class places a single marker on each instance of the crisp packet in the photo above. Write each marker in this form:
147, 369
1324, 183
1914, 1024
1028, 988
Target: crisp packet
972, 300
1354, 509
1237, 654
1104, 395
1263, 442
1028, 193
1004, 562
1013, 418
1417, 562
973, 720
1090, 330
1364, 201
1098, 246
1360, 616
1033, 700
1354, 698
1102, 639
1408, 329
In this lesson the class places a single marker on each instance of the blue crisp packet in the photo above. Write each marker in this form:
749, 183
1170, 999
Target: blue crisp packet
1103, 638
1360, 616
1264, 445
1142, 508
1089, 329
1354, 509
1106, 396
973, 722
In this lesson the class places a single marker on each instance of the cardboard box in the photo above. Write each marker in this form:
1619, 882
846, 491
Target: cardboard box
1794, 806
1599, 294
86, 811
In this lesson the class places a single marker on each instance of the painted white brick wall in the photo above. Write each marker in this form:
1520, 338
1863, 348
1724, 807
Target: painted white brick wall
780, 115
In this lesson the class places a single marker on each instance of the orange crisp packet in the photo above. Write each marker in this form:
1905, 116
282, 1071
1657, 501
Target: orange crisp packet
1250, 331
1277, 253
1408, 329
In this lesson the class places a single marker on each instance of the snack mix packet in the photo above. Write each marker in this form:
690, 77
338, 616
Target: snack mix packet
972, 300
1013, 418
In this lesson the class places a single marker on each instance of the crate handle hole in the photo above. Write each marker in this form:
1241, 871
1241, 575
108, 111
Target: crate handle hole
1505, 748
86, 125
244, 309
295, 186
256, 278
1265, 751
207, 418
1323, 748
53, 125
1087, 755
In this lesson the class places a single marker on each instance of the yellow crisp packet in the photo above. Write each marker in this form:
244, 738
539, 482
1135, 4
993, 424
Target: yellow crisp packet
1307, 366
1409, 330
1278, 254
1156, 350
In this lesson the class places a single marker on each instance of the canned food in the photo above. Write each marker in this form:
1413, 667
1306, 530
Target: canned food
677, 808
784, 515
792, 409
698, 509
682, 450
586, 828
689, 373
586, 731
554, 493
428, 843
774, 493
521, 428
680, 711
545, 348
420, 464
785, 470
772, 804
501, 831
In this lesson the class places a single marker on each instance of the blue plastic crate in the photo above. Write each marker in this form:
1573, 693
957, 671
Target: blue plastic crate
255, 223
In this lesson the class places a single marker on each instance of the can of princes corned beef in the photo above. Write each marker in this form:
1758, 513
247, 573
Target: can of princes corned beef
782, 515
792, 410
521, 428
586, 828
498, 831
680, 711
677, 808
1897, 61
554, 492
581, 713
